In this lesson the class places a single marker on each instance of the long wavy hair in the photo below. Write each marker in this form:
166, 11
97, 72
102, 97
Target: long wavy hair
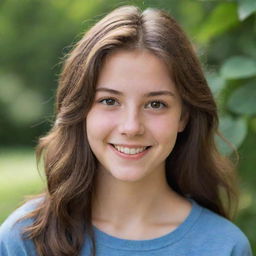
195, 168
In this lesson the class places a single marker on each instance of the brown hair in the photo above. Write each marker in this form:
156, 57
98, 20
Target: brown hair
195, 168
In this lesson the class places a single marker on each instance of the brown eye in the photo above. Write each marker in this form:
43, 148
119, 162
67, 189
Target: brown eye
109, 102
156, 105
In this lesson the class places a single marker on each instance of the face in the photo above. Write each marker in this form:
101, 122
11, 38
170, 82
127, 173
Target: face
136, 116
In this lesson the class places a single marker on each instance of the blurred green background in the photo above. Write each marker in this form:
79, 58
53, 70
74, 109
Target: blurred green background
36, 34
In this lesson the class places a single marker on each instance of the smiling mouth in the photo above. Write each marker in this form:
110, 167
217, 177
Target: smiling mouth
129, 150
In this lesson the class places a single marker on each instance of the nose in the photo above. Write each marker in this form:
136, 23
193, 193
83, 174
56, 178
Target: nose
131, 123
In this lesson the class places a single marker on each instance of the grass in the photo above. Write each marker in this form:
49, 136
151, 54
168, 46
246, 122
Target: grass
19, 178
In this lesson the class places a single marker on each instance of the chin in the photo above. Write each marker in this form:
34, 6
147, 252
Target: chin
128, 176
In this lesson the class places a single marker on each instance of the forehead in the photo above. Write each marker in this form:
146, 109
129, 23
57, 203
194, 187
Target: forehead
135, 69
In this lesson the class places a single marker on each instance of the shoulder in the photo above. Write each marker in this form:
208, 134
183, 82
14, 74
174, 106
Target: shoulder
11, 240
219, 231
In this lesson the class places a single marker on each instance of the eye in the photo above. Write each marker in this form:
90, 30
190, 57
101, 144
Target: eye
156, 105
109, 101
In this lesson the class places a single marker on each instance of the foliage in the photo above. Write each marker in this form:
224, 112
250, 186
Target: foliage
234, 82
37, 34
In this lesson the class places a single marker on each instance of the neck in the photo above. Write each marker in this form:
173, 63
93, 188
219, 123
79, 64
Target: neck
119, 202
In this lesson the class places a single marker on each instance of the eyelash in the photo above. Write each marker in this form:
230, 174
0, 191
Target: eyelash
163, 104
105, 99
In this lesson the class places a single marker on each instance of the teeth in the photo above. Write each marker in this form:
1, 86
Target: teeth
129, 151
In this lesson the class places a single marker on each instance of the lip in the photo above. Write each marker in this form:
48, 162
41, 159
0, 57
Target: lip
129, 146
126, 156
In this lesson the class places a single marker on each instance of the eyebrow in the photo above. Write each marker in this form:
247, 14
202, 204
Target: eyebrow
150, 94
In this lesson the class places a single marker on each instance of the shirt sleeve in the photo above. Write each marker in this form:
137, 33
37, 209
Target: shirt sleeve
242, 247
12, 242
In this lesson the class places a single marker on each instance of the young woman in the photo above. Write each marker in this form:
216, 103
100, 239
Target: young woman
131, 163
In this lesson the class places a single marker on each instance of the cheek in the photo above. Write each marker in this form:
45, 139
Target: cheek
165, 129
98, 124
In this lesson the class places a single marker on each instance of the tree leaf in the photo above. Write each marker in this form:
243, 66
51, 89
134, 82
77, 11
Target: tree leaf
234, 130
246, 8
243, 99
216, 83
223, 17
238, 67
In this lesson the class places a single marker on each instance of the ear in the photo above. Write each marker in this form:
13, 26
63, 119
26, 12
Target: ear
183, 120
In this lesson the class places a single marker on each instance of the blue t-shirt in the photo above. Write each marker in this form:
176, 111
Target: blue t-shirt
203, 233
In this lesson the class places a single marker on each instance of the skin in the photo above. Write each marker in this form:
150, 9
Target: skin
136, 105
